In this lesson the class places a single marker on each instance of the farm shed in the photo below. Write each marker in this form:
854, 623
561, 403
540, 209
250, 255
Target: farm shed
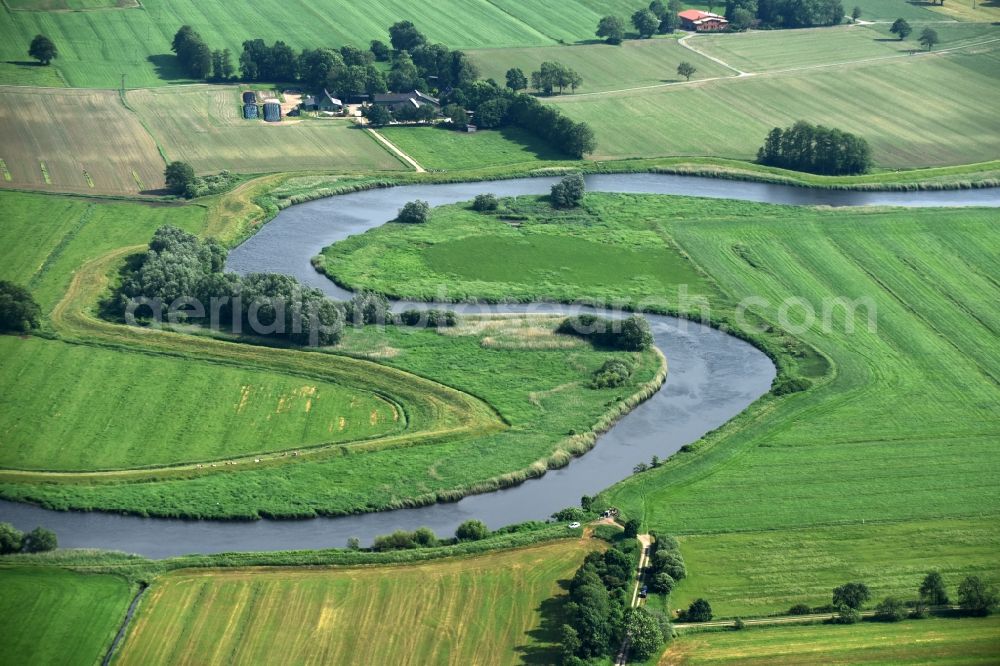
699, 21
328, 102
397, 101
272, 110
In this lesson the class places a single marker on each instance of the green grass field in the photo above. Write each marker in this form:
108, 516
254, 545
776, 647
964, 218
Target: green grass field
804, 565
82, 141
471, 253
603, 67
96, 47
490, 609
925, 457
438, 149
946, 641
202, 125
53, 616
69, 5
731, 117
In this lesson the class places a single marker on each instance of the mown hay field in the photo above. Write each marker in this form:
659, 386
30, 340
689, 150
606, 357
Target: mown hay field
604, 67
53, 616
202, 125
731, 117
490, 609
82, 141
441, 149
946, 641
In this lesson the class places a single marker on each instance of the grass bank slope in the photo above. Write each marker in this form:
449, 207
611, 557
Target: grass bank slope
490, 609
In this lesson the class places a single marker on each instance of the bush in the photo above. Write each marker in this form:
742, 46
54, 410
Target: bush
571, 513
662, 583
422, 537
699, 611
180, 179
568, 192
485, 203
799, 609
429, 318
368, 307
631, 528
739, 624
890, 609
615, 372
920, 612
19, 313
40, 540
635, 334
847, 615
632, 334
11, 539
852, 595
975, 597
670, 562
414, 212
472, 530
786, 385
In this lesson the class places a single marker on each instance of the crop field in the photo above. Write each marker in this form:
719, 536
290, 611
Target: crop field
786, 49
946, 641
604, 67
731, 117
74, 140
890, 10
471, 253
438, 149
202, 125
52, 616
746, 574
926, 457
490, 609
72, 427
96, 47
68, 5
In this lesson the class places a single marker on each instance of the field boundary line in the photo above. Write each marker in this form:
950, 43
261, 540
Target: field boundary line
396, 151
683, 41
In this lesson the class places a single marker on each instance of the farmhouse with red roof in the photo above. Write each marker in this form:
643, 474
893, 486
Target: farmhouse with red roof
699, 21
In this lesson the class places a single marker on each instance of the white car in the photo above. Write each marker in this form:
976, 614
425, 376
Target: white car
574, 525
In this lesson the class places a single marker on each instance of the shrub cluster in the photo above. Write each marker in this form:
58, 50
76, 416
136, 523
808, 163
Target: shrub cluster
38, 540
815, 149
666, 564
485, 203
631, 334
428, 318
414, 212
568, 192
19, 312
614, 373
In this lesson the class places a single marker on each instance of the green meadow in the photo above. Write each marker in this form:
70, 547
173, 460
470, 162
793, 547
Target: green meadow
441, 149
731, 117
849, 449
946, 641
53, 616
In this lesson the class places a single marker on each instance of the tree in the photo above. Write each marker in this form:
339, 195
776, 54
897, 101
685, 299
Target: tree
485, 203
928, 38
644, 632
799, 609
662, 583
815, 149
472, 530
404, 36
631, 528
847, 615
378, 116
180, 178
901, 28
686, 69
11, 539
320, 67
742, 19
699, 611
404, 75
975, 597
645, 22
568, 192
353, 543
852, 595
192, 52
43, 50
414, 212
516, 80
380, 50
40, 540
19, 313
855, 14
569, 639
890, 609
635, 334
612, 29
458, 116
932, 590
671, 563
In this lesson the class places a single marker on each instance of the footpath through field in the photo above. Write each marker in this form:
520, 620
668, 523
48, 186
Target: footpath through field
399, 153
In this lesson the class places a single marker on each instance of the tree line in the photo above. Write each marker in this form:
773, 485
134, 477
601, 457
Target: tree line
815, 149
744, 14
630, 334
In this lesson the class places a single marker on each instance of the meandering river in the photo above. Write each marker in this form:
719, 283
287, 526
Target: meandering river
712, 376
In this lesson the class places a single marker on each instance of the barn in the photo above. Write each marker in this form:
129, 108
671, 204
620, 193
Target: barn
699, 21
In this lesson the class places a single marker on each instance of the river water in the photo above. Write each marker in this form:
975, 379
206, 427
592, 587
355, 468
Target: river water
712, 376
